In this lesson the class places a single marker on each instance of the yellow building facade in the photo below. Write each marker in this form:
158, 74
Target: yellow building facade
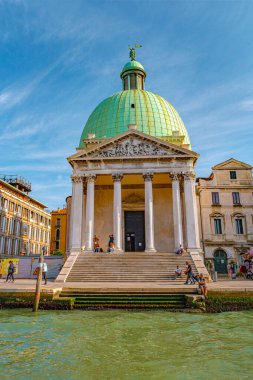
58, 230
24, 223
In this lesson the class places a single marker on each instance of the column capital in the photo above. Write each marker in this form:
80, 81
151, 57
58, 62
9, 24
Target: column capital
189, 176
90, 178
175, 176
117, 177
148, 177
77, 178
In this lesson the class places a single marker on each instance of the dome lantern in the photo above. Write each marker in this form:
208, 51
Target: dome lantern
133, 73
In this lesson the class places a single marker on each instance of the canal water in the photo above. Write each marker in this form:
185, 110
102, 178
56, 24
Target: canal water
125, 345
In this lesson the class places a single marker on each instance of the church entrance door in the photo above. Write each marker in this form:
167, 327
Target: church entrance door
134, 231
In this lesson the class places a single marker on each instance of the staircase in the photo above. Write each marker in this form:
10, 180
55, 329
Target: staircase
84, 300
128, 267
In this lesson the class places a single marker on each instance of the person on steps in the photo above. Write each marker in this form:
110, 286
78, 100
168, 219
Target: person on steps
96, 244
180, 251
189, 274
202, 285
178, 272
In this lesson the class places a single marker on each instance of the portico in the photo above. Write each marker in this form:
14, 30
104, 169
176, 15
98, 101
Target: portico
133, 171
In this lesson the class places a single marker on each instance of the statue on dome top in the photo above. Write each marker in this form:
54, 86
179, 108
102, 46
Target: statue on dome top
132, 51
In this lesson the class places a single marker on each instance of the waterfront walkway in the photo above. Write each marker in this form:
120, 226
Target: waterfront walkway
28, 285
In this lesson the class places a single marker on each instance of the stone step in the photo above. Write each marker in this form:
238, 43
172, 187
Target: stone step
82, 300
128, 267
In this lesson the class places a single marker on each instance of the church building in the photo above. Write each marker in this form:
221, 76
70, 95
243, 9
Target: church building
133, 175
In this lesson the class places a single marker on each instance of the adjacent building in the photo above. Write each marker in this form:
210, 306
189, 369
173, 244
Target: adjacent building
24, 223
226, 212
58, 230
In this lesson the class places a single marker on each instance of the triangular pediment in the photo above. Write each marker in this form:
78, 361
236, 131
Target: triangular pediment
132, 144
231, 164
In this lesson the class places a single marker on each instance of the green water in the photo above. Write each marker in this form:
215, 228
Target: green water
125, 345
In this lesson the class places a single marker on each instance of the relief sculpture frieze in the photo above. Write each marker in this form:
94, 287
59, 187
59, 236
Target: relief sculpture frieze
133, 147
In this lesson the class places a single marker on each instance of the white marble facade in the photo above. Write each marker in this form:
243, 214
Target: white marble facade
134, 171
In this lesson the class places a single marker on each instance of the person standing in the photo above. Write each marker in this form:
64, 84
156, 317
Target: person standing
111, 243
189, 274
230, 270
44, 272
11, 270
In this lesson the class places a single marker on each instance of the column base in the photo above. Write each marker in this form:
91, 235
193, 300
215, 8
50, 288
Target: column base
195, 250
150, 250
118, 250
89, 251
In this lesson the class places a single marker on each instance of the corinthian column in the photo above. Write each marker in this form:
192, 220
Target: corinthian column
117, 213
149, 214
191, 213
89, 223
76, 212
177, 212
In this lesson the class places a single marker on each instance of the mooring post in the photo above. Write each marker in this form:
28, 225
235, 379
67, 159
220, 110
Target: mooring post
38, 282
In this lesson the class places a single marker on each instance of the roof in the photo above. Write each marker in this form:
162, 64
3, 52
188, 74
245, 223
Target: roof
231, 164
22, 193
151, 113
132, 65
90, 151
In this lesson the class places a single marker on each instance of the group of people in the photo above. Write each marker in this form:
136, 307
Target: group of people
110, 248
191, 279
12, 270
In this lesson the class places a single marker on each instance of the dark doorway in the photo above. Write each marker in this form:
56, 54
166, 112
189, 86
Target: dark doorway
134, 231
220, 261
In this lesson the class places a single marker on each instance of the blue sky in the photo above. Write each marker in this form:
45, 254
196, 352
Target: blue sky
60, 58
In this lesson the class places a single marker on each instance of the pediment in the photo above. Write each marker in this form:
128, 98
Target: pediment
232, 164
132, 144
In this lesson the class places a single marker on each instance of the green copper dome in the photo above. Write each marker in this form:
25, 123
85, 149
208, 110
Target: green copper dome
151, 113
133, 65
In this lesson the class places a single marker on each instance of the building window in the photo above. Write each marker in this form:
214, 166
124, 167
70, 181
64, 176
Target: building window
58, 222
217, 226
25, 213
215, 198
57, 245
57, 234
239, 226
233, 174
11, 206
236, 198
